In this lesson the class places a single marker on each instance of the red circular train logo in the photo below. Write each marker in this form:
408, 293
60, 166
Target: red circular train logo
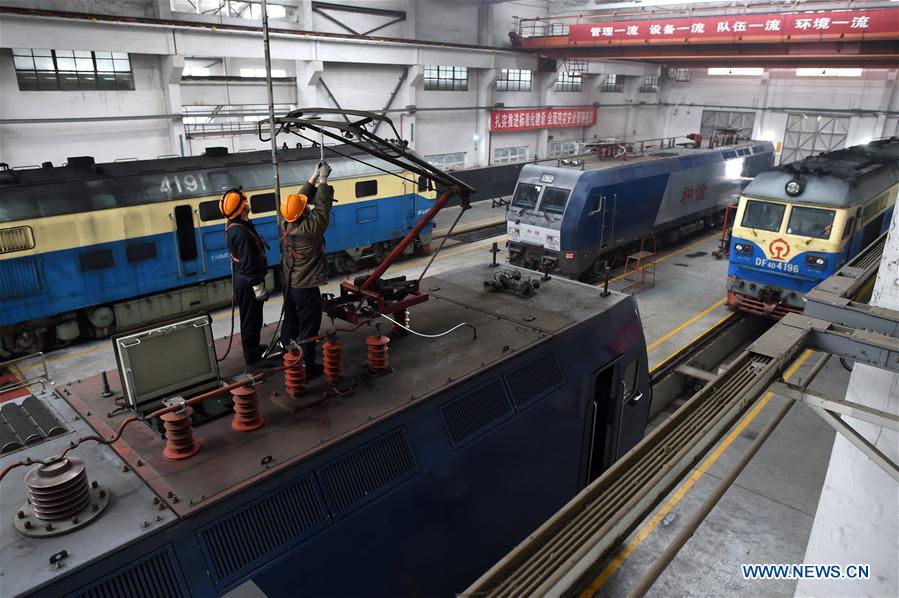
779, 249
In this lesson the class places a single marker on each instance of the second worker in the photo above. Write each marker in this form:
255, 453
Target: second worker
306, 215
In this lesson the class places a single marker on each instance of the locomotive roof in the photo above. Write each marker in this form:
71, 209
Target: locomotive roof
841, 178
83, 185
570, 175
508, 326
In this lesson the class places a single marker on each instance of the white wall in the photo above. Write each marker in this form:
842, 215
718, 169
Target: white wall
28, 144
779, 92
362, 74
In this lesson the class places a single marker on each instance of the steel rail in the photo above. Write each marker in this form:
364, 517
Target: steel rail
721, 488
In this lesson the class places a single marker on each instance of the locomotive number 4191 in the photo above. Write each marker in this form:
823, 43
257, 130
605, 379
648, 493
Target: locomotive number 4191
187, 183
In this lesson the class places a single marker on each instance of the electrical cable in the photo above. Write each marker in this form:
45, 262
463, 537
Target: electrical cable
423, 335
231, 335
334, 151
254, 379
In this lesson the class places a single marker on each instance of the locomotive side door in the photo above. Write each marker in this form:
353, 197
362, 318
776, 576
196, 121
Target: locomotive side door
601, 416
184, 232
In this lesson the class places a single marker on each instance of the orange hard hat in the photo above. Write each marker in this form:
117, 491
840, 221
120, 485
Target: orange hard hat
232, 203
293, 206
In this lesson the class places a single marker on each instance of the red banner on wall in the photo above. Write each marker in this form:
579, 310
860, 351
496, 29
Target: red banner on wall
544, 118
852, 24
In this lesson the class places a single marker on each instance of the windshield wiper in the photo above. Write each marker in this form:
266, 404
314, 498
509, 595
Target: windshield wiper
826, 229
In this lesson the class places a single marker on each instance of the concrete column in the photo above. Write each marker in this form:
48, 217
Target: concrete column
546, 87
308, 74
304, 15
407, 119
171, 69
485, 97
857, 521
886, 100
761, 113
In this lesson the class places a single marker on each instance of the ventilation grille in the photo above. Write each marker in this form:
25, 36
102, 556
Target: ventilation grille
140, 252
155, 575
535, 379
18, 238
269, 526
367, 472
466, 416
96, 260
21, 277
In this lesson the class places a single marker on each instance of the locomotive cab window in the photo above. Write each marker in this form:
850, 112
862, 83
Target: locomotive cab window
810, 222
526, 195
367, 188
209, 210
763, 215
554, 200
629, 379
262, 203
847, 229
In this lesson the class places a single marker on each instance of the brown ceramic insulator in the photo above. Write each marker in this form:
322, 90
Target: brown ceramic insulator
331, 358
377, 354
179, 434
246, 409
294, 373
59, 490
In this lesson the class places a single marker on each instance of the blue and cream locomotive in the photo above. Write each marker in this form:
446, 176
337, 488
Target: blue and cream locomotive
96, 248
799, 223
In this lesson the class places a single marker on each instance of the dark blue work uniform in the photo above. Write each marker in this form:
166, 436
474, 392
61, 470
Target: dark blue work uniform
249, 263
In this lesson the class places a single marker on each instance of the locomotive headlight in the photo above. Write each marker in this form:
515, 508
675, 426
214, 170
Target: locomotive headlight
514, 234
794, 187
743, 248
816, 260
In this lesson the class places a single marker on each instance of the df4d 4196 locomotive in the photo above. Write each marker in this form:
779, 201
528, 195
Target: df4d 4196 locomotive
798, 224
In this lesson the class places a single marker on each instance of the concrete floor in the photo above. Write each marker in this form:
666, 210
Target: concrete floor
765, 517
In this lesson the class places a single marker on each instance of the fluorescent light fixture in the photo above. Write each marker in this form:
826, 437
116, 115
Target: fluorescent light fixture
828, 72
736, 71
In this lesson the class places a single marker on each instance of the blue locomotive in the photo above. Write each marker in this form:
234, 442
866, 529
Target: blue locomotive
99, 248
570, 219
798, 224
410, 484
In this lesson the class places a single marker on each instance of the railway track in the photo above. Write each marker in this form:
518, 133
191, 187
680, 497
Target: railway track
561, 555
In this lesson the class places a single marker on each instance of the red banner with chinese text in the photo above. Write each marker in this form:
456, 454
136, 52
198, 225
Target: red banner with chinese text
833, 25
543, 118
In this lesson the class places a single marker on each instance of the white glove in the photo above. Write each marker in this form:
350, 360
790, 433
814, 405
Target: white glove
324, 171
260, 292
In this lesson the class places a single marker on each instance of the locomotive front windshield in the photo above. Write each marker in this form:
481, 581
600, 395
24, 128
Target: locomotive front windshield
554, 200
810, 222
526, 196
763, 215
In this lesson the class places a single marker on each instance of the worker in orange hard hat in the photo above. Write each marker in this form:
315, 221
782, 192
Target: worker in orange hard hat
248, 267
306, 215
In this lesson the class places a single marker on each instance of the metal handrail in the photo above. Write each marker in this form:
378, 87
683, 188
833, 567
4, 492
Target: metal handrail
43, 377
